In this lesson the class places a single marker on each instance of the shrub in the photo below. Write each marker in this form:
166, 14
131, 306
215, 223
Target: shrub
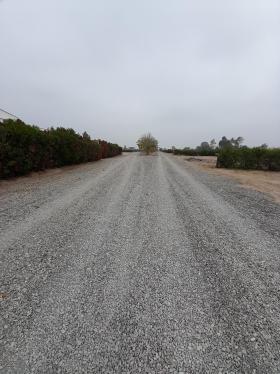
24, 148
194, 152
257, 158
166, 150
147, 144
109, 149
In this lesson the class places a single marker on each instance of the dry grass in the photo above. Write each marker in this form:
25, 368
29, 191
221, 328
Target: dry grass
267, 182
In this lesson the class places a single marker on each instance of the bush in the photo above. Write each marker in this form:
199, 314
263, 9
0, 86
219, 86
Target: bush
147, 144
192, 152
257, 158
109, 149
25, 148
166, 150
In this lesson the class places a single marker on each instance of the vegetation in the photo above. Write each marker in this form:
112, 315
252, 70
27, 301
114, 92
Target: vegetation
232, 154
208, 148
230, 143
25, 148
258, 158
147, 144
193, 152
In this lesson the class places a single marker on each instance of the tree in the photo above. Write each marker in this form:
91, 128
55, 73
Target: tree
237, 142
225, 143
86, 136
204, 146
147, 143
213, 144
231, 143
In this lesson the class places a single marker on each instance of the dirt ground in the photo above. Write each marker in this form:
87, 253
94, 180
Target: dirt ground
267, 182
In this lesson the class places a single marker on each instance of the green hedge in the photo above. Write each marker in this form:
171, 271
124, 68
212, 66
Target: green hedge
192, 152
25, 148
109, 149
249, 158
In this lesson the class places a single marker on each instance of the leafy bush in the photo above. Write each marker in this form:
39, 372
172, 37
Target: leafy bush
258, 158
109, 149
193, 152
25, 148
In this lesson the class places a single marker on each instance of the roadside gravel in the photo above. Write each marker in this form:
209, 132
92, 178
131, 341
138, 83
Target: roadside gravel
138, 264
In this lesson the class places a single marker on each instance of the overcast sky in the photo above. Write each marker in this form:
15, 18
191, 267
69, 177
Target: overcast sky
185, 70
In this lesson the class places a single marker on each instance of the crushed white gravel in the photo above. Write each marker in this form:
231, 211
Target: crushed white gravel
138, 264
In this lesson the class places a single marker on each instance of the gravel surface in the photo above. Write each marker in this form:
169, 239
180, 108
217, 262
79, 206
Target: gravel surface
138, 264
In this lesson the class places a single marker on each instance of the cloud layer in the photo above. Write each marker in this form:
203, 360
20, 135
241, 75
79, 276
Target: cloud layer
187, 71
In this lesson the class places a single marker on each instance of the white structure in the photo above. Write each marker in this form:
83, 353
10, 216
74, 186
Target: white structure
6, 115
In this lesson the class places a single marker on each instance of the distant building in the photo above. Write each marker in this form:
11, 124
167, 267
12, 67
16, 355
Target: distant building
6, 115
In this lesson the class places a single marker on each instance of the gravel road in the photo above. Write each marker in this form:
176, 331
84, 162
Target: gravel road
138, 264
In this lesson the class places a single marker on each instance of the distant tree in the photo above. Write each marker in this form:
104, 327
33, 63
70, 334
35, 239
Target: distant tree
237, 142
204, 146
264, 145
86, 136
147, 143
213, 144
230, 143
225, 143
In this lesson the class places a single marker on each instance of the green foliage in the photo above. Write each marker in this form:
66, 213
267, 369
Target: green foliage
109, 149
231, 154
258, 158
192, 152
25, 148
204, 146
230, 143
148, 144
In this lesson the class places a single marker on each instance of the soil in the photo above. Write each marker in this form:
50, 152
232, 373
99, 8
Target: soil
267, 182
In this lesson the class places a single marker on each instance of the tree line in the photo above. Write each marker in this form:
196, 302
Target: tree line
232, 153
212, 147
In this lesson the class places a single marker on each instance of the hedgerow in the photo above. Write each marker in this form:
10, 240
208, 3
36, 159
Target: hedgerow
109, 149
257, 158
192, 152
25, 148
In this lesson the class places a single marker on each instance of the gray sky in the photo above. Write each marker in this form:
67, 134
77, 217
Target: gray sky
185, 70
